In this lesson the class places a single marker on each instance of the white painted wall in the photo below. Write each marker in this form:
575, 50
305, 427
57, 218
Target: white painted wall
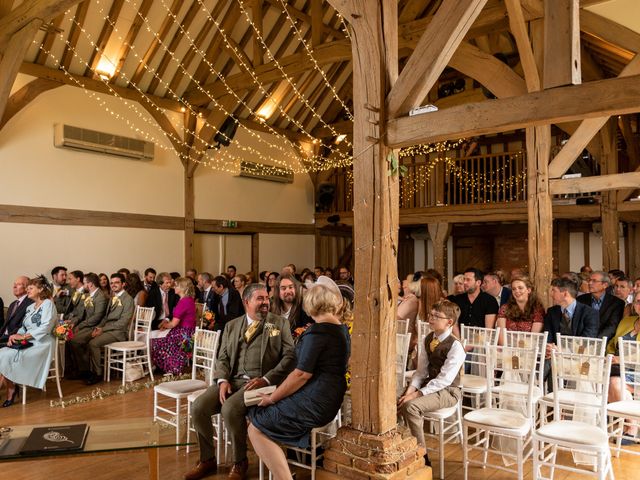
278, 250
214, 252
33, 249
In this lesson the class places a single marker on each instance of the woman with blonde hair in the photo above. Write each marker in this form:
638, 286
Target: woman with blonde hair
166, 351
311, 395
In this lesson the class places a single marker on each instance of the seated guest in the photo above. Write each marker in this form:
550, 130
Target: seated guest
288, 301
271, 282
207, 295
311, 395
61, 289
163, 299
174, 277
231, 272
239, 282
228, 302
523, 312
75, 310
113, 327
567, 317
610, 308
149, 278
477, 308
125, 272
256, 350
249, 277
623, 289
458, 284
628, 329
436, 382
614, 275
94, 307
408, 307
135, 288
105, 285
493, 284
166, 352
17, 310
344, 276
30, 366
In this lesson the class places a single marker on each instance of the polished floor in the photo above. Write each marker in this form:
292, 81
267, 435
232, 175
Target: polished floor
173, 463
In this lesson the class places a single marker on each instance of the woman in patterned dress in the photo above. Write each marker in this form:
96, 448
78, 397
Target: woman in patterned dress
523, 312
166, 352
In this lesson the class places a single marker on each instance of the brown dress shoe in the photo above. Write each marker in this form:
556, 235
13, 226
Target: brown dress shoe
202, 469
239, 470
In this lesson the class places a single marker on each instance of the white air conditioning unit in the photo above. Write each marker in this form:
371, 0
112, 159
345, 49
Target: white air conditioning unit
76, 138
265, 172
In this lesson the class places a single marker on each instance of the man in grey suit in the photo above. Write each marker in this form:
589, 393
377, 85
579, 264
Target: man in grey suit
113, 327
256, 350
94, 306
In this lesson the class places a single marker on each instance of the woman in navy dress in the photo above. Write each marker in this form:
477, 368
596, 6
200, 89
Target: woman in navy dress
312, 394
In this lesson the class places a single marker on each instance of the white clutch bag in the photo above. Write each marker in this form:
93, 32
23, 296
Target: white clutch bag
252, 397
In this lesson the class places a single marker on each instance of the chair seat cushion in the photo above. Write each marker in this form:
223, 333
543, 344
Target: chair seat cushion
518, 388
180, 388
442, 413
129, 345
572, 396
626, 407
473, 383
193, 395
499, 418
573, 432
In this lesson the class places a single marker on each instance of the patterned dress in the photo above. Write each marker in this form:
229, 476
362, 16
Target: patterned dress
166, 353
537, 316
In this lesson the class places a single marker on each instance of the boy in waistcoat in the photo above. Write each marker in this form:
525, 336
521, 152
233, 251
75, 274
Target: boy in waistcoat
436, 382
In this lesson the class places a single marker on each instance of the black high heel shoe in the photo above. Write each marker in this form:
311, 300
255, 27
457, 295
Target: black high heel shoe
10, 401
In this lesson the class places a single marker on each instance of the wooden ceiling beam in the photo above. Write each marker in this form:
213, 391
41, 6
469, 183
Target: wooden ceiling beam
257, 16
585, 132
432, 54
609, 31
103, 38
188, 18
161, 34
77, 25
5, 7
317, 24
24, 96
562, 37
563, 104
47, 42
12, 58
26, 12
168, 129
599, 183
299, 15
130, 39
519, 31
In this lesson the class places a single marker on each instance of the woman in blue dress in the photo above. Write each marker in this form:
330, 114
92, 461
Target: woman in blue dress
312, 394
30, 366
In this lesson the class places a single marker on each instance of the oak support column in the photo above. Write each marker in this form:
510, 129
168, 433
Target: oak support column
439, 233
539, 210
189, 217
563, 246
255, 254
372, 446
609, 199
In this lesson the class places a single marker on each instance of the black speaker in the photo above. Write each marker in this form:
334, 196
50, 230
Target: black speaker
226, 132
324, 196
585, 201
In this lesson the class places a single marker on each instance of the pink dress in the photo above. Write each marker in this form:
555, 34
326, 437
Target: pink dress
166, 353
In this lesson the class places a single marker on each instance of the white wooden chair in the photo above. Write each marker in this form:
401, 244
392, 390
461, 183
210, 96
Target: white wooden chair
567, 396
403, 341
319, 437
500, 418
526, 340
570, 370
626, 412
136, 352
56, 369
403, 326
423, 329
200, 314
447, 423
172, 394
473, 380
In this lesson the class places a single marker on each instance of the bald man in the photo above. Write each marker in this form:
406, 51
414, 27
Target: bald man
17, 309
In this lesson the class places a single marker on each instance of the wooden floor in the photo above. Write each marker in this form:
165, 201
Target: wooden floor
173, 464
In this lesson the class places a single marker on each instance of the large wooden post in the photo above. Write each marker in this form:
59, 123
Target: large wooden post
372, 446
439, 233
539, 209
609, 199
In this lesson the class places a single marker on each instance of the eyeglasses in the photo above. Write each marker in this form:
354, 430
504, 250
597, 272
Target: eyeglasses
593, 280
439, 317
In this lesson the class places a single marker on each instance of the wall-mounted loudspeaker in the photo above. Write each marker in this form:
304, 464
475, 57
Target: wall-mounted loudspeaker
226, 132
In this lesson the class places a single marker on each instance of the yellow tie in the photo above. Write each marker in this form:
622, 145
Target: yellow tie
248, 335
434, 343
